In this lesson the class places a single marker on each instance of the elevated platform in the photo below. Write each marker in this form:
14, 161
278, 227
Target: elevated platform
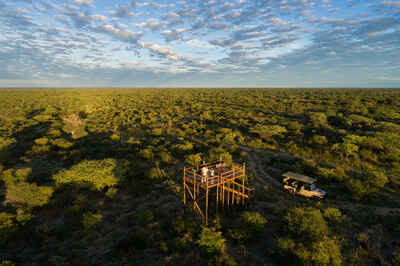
228, 182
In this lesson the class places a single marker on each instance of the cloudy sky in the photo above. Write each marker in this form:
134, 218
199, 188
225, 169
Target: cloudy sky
191, 43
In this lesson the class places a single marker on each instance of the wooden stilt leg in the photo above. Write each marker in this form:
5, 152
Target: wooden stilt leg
207, 205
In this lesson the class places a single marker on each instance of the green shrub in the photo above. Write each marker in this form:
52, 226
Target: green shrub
43, 118
7, 227
157, 173
28, 195
90, 220
193, 159
267, 131
212, 241
74, 125
370, 183
98, 173
306, 223
115, 137
14, 176
42, 141
54, 133
111, 192
62, 143
183, 147
308, 241
147, 154
5, 142
333, 215
165, 157
6, 263
251, 225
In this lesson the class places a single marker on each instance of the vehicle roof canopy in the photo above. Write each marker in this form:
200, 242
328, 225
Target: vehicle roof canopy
302, 178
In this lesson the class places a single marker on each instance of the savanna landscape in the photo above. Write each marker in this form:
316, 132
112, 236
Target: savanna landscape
94, 176
200, 132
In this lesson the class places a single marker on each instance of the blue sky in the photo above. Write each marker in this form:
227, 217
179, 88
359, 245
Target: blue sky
189, 43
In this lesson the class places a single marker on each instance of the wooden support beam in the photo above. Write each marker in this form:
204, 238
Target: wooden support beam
184, 186
244, 172
207, 206
223, 195
216, 203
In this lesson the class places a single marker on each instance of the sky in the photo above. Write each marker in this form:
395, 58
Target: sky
190, 43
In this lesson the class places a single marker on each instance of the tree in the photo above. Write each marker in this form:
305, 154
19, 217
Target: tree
308, 240
267, 131
90, 220
369, 183
345, 148
8, 226
212, 241
307, 223
28, 195
250, 226
98, 173
193, 159
319, 120
147, 154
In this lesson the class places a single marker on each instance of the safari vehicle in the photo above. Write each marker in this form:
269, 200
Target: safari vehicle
302, 185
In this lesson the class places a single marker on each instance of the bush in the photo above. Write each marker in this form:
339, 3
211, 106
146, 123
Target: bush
62, 143
157, 173
7, 226
306, 223
28, 195
193, 159
333, 215
165, 157
6, 263
311, 244
147, 154
267, 131
212, 241
319, 120
5, 142
12, 176
251, 225
75, 126
90, 220
370, 183
98, 173
184, 147
42, 141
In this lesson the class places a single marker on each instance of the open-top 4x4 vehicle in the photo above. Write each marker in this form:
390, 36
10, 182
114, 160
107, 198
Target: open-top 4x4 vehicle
302, 185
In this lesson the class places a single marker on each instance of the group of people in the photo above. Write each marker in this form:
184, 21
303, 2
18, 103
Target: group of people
205, 172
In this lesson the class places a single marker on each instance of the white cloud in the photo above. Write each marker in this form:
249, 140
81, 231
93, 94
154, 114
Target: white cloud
162, 50
83, 2
153, 24
172, 35
100, 18
120, 34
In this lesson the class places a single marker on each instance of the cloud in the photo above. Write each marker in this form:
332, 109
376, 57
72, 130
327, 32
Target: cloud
153, 24
236, 39
162, 51
123, 11
175, 34
171, 15
393, 4
83, 2
124, 35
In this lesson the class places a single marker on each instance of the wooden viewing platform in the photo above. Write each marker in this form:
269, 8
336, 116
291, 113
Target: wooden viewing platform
228, 181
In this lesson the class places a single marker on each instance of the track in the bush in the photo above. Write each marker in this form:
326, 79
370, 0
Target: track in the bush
254, 163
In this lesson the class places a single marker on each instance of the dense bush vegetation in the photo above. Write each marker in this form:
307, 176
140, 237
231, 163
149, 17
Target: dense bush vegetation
94, 176
99, 173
